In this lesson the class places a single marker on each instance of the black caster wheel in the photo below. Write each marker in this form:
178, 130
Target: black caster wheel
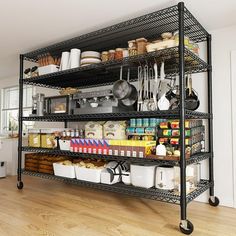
186, 227
214, 201
20, 185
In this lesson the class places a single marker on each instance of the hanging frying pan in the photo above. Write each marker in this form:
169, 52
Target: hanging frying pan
191, 102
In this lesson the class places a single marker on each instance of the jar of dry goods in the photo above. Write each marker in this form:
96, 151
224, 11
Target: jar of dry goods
125, 52
119, 53
111, 54
132, 48
141, 45
104, 56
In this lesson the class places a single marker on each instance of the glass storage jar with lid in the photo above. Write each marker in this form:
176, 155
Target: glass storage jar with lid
48, 138
34, 138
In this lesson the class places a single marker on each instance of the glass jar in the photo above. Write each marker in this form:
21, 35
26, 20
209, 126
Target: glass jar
119, 53
104, 56
111, 54
141, 45
132, 48
125, 52
186, 39
34, 138
48, 138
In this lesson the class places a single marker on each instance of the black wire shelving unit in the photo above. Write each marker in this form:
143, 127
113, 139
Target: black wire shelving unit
178, 60
152, 193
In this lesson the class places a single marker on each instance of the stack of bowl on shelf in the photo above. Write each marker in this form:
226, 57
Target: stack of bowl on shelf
90, 58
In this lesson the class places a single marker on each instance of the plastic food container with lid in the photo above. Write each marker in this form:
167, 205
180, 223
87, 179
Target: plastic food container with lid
34, 138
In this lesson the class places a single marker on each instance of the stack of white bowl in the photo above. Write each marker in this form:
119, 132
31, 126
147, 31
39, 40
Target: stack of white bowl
90, 57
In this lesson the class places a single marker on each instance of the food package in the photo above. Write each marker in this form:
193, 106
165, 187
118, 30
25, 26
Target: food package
114, 130
94, 130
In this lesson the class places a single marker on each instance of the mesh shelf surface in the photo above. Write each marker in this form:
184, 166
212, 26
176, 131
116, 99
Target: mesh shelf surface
106, 73
170, 114
149, 26
152, 193
193, 159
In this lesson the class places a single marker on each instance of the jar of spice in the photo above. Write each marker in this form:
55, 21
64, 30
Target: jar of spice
119, 53
111, 54
141, 45
132, 48
104, 56
125, 52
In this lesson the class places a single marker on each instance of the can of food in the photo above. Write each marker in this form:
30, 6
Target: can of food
145, 122
150, 130
139, 122
130, 130
133, 122
153, 122
139, 130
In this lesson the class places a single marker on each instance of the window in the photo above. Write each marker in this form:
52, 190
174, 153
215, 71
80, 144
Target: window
10, 105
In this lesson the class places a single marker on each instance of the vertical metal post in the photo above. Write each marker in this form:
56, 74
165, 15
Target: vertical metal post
65, 124
20, 117
183, 203
210, 121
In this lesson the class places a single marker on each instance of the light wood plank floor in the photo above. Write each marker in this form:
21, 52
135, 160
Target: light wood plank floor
51, 208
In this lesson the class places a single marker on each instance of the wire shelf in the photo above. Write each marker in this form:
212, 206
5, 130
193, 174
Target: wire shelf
193, 159
152, 193
169, 114
106, 73
150, 26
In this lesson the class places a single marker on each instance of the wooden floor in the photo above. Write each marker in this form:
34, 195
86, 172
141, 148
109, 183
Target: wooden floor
51, 208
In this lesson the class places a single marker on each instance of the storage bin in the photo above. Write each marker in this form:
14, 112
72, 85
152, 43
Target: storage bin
65, 145
142, 175
126, 178
48, 69
67, 171
86, 174
112, 173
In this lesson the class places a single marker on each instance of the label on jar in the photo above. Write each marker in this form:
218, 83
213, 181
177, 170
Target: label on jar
116, 152
110, 152
35, 140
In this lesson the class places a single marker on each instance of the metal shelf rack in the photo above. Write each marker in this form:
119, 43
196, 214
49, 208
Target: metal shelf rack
152, 193
178, 60
171, 114
106, 73
193, 159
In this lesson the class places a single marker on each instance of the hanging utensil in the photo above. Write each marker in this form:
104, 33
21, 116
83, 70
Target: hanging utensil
140, 89
163, 103
155, 86
132, 98
146, 90
191, 102
121, 88
151, 103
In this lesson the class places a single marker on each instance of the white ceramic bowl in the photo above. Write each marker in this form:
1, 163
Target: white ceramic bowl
90, 61
92, 54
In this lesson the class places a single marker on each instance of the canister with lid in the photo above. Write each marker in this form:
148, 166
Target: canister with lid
34, 138
48, 138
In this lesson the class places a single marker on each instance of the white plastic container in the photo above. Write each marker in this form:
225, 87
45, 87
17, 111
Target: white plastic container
142, 175
126, 179
3, 168
86, 174
112, 168
106, 178
64, 170
165, 177
43, 70
64, 145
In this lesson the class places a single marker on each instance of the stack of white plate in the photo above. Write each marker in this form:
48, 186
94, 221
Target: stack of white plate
90, 57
